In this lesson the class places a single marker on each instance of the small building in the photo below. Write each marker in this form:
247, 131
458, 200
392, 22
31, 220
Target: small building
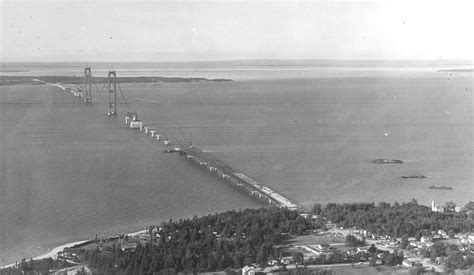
323, 246
304, 215
436, 208
248, 270
128, 246
407, 263
436, 237
470, 238
439, 260
330, 225
425, 239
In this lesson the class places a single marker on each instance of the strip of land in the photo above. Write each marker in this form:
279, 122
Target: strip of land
457, 70
21, 80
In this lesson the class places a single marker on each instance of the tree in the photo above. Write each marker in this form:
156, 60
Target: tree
418, 235
454, 260
401, 256
230, 271
437, 250
169, 262
392, 259
417, 270
354, 241
298, 257
82, 271
212, 263
261, 255
372, 249
373, 260
404, 243
468, 262
317, 208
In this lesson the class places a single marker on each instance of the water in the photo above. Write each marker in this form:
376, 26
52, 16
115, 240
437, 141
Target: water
242, 70
69, 172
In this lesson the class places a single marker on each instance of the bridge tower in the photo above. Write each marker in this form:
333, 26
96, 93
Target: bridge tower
88, 84
112, 80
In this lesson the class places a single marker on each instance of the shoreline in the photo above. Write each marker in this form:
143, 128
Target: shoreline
6, 80
64, 246
53, 253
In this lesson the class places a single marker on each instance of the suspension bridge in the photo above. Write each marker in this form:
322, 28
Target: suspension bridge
185, 148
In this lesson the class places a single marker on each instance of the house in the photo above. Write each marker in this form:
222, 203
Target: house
248, 270
128, 246
429, 243
439, 260
425, 239
436, 237
442, 233
304, 215
436, 208
322, 246
393, 242
330, 225
272, 262
470, 238
407, 263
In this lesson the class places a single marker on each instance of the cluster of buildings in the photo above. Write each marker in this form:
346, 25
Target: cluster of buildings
445, 208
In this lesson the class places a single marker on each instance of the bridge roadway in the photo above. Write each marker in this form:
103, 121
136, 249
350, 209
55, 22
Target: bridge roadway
238, 178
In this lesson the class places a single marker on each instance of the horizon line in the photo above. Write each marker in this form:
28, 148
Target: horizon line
255, 59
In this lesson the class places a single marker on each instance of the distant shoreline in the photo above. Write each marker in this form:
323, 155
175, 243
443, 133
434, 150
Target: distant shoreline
456, 70
6, 80
245, 61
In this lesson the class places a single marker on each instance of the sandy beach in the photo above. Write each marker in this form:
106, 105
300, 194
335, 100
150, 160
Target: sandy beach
53, 253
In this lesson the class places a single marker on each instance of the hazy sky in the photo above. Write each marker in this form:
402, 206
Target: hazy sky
104, 30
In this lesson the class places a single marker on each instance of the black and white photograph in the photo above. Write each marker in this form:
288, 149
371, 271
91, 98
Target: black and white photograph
283, 137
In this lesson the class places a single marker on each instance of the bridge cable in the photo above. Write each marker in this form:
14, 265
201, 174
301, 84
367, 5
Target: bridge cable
129, 106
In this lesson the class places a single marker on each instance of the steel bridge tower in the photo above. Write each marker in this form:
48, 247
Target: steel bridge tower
112, 80
88, 84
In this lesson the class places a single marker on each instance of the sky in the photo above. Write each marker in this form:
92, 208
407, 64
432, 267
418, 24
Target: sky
107, 30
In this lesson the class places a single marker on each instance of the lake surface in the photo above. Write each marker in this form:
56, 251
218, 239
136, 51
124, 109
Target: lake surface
69, 172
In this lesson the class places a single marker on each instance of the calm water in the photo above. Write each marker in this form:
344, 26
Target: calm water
69, 172
242, 70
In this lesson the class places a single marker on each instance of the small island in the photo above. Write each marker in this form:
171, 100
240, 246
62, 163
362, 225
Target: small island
387, 161
441, 187
414, 177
